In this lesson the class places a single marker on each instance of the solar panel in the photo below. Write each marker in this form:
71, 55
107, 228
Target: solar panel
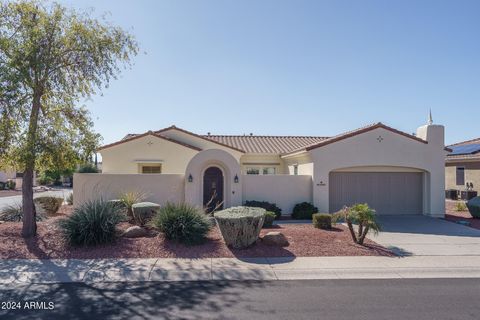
465, 149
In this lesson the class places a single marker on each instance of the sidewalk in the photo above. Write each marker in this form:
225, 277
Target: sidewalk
126, 270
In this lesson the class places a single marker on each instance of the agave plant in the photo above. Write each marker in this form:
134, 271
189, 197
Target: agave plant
361, 215
130, 198
14, 213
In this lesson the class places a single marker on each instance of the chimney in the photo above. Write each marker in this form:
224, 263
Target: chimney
433, 133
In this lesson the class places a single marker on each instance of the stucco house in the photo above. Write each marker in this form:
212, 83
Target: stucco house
462, 166
393, 171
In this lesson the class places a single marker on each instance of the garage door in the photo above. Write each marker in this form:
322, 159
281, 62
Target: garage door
386, 192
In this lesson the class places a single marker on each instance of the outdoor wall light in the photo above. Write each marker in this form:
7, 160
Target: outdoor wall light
190, 178
235, 179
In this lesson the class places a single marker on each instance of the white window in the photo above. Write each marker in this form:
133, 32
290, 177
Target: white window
254, 171
268, 170
295, 169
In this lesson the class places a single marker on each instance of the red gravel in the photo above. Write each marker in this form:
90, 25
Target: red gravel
305, 241
452, 215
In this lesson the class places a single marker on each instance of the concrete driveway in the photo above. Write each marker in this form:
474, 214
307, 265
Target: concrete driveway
424, 236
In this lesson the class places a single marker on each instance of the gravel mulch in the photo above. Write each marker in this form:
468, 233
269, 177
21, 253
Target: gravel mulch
305, 241
452, 215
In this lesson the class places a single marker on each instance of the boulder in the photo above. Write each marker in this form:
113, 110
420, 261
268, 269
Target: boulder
134, 232
275, 238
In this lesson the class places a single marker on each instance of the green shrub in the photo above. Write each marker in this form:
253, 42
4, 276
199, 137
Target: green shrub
11, 184
87, 168
183, 223
473, 206
322, 221
304, 210
460, 206
272, 207
14, 213
144, 211
50, 205
70, 199
92, 223
240, 226
269, 218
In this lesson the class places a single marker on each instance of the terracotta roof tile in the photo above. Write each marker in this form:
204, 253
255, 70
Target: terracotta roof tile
265, 144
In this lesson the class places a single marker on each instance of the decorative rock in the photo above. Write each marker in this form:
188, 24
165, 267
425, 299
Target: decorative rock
135, 232
275, 238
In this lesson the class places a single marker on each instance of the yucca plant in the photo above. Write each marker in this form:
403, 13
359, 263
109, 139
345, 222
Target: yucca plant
361, 215
130, 198
182, 222
92, 223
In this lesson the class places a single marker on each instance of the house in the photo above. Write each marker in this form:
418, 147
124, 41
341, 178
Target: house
12, 174
393, 171
462, 166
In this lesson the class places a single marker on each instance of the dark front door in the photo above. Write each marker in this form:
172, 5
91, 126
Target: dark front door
213, 189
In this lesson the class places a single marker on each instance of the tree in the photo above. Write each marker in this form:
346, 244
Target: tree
361, 215
51, 57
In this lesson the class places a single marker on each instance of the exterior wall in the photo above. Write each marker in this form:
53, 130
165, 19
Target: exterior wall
124, 158
472, 174
303, 161
284, 190
260, 161
160, 188
7, 175
393, 151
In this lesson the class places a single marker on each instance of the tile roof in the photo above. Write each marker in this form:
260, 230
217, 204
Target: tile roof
266, 144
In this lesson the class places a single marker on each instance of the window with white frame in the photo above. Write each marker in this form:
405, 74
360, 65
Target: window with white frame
253, 171
268, 171
295, 169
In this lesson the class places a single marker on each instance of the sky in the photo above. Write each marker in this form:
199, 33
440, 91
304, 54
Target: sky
278, 67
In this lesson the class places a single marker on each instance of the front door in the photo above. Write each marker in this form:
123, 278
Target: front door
213, 189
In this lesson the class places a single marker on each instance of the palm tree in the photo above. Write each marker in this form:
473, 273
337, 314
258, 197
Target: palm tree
361, 215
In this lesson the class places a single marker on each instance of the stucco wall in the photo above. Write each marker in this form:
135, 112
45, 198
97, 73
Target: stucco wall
472, 174
125, 157
394, 150
284, 190
263, 160
159, 188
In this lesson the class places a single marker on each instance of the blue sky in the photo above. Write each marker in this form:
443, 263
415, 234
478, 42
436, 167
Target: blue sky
298, 67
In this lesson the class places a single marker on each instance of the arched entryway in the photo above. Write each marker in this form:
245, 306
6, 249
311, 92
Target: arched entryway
213, 189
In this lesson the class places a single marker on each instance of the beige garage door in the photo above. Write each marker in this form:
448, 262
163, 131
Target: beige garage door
386, 192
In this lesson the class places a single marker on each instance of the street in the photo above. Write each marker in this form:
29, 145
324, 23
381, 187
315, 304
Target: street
314, 299
6, 201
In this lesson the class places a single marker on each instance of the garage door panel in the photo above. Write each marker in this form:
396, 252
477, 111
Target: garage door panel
386, 192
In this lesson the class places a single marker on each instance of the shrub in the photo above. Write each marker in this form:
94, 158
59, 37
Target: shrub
14, 213
87, 168
130, 198
363, 216
93, 223
272, 207
144, 211
48, 204
304, 210
322, 221
473, 206
269, 218
183, 223
460, 206
11, 184
240, 226
70, 199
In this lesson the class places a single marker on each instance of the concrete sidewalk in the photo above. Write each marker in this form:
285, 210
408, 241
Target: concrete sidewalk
132, 270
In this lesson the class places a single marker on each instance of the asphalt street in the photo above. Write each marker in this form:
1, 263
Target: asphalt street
6, 201
319, 299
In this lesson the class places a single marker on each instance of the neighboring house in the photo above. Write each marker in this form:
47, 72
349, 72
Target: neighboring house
12, 174
6, 175
462, 165
394, 172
